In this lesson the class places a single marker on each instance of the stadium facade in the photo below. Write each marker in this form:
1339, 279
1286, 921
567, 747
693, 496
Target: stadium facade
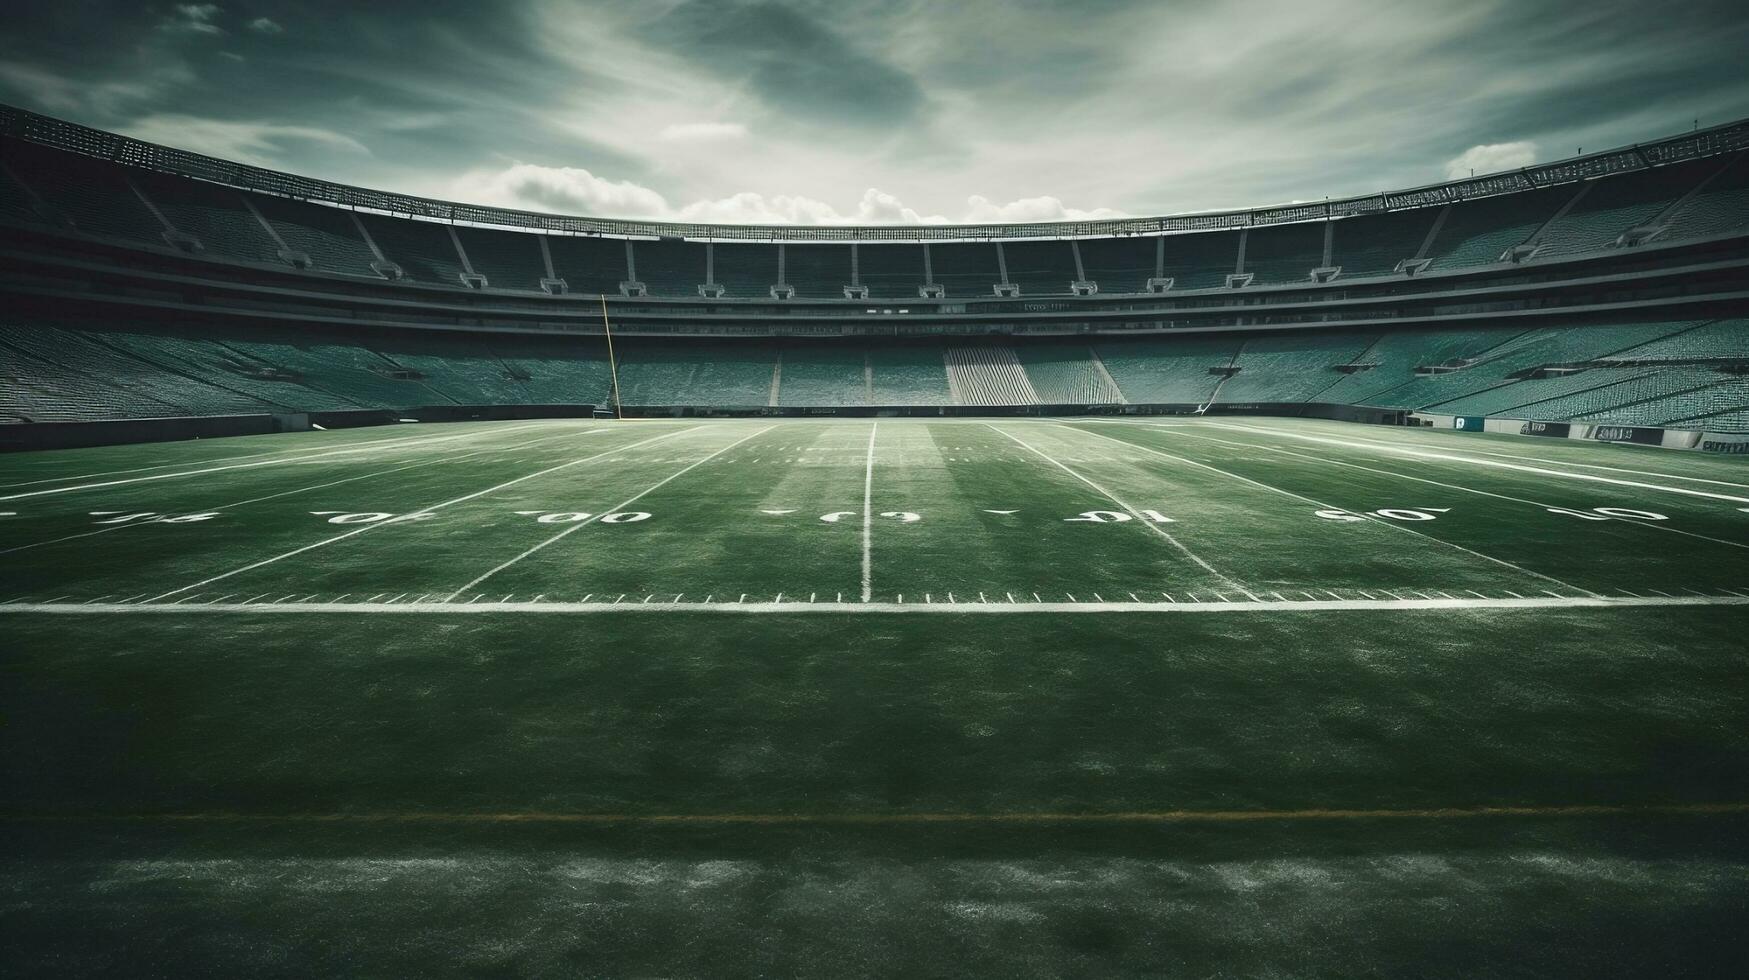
156, 293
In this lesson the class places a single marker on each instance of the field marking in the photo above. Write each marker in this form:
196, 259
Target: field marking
1550, 810
1174, 542
1365, 517
366, 444
423, 510
580, 525
868, 517
549, 607
1551, 462
1455, 486
256, 500
1448, 457
270, 462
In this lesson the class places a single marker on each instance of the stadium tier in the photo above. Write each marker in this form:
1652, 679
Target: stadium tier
145, 282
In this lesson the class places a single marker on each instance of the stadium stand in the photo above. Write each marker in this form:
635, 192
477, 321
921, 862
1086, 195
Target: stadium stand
746, 271
1200, 261
508, 259
1067, 374
817, 271
1721, 206
1394, 358
988, 375
94, 196
720, 374
912, 374
1480, 232
1040, 268
423, 250
823, 374
670, 267
1290, 368
891, 271
965, 269
1377, 244
1720, 340
327, 235
1178, 371
214, 215
1118, 265
589, 265
1283, 254
1610, 208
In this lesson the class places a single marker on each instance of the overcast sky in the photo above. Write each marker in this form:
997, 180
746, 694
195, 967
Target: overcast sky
898, 110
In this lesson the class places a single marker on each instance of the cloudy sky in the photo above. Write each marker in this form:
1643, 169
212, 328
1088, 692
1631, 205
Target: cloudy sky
820, 111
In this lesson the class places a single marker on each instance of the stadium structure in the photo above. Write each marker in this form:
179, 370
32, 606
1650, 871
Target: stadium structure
1346, 588
149, 283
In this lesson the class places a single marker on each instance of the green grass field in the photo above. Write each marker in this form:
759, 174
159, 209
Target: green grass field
1216, 696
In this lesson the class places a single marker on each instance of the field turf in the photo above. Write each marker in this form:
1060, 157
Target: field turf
1197, 697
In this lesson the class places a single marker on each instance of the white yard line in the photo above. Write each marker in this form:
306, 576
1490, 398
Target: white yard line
580, 525
245, 466
868, 518
1385, 444
1133, 512
1654, 525
1383, 523
1453, 458
423, 510
856, 609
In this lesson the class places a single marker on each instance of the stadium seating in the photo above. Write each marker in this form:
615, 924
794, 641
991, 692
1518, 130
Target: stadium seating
987, 375
912, 374
1479, 232
1118, 265
965, 269
723, 374
1376, 244
589, 265
1711, 402
1291, 368
1284, 254
1067, 374
817, 271
1040, 268
214, 215
823, 375
422, 249
1720, 340
1201, 261
508, 259
1174, 371
1611, 207
670, 267
1721, 206
327, 235
891, 271
745, 271
1394, 357
94, 196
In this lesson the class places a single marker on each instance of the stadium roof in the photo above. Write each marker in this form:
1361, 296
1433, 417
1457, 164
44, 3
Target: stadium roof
48, 131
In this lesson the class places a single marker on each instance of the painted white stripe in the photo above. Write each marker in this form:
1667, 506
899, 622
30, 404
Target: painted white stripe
1454, 458
1654, 525
1382, 523
854, 609
868, 517
245, 466
1133, 512
423, 510
580, 525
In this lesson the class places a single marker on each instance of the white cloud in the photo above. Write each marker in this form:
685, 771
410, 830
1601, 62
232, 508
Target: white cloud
572, 190
699, 132
1491, 158
266, 25
194, 18
52, 92
257, 143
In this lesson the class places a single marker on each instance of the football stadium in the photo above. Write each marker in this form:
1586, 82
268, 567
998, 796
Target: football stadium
396, 585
